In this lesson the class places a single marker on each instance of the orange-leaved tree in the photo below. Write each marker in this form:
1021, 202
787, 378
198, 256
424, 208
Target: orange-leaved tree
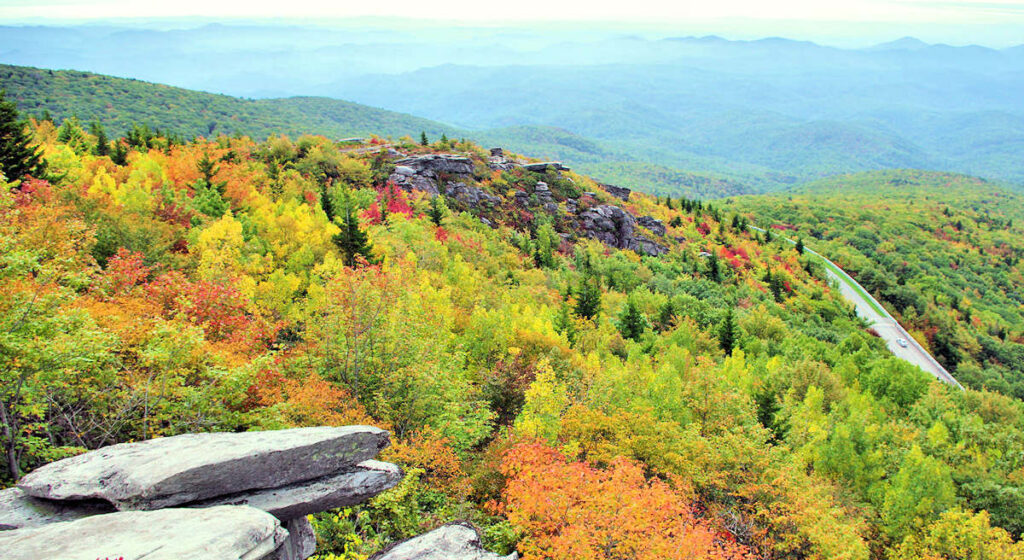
567, 510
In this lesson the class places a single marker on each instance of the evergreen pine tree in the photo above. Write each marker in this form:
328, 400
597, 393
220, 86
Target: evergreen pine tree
727, 333
444, 139
714, 269
352, 241
327, 205
17, 159
437, 210
800, 245
776, 285
102, 143
588, 298
631, 322
423, 138
564, 323
768, 237
383, 203
119, 155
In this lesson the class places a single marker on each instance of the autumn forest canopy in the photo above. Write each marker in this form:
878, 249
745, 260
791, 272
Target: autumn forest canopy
691, 388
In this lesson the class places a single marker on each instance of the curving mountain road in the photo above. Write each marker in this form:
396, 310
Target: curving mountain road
881, 321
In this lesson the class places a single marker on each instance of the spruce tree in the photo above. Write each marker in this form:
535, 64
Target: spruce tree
102, 143
437, 210
352, 241
727, 333
119, 155
588, 298
631, 322
423, 138
800, 245
17, 158
714, 269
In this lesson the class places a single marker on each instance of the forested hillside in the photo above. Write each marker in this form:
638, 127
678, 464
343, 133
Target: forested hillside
712, 397
942, 252
119, 105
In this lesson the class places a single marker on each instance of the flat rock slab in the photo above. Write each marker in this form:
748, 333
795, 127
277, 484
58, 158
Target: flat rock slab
176, 470
350, 487
18, 510
221, 533
454, 541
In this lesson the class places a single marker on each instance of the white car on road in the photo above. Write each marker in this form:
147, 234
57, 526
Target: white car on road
902, 342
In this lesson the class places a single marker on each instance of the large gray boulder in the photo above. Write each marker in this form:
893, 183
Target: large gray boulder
18, 510
353, 486
220, 533
614, 226
454, 541
608, 224
176, 470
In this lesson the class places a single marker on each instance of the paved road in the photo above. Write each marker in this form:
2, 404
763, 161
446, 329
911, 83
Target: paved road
883, 323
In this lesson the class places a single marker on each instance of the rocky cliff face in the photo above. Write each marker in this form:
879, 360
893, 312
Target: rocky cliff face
212, 496
615, 227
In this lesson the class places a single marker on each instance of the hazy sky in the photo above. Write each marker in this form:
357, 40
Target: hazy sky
919, 11
993, 22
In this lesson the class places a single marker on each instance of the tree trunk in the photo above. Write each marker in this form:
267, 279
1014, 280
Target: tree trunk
10, 434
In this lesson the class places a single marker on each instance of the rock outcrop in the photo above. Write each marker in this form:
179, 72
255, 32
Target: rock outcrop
439, 163
262, 485
424, 173
614, 226
498, 161
653, 225
235, 532
350, 487
473, 197
621, 193
458, 540
242, 496
176, 470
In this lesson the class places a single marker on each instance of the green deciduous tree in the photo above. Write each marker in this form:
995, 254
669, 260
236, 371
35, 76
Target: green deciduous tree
920, 491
